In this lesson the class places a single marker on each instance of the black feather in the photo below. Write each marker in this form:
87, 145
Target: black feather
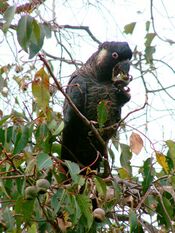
92, 83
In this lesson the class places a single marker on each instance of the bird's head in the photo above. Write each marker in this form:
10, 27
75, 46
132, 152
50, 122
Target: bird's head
113, 59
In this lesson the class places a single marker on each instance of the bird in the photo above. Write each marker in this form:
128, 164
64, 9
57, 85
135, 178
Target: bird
97, 81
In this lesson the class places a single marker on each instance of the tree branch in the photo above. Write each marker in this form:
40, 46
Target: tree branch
117, 125
78, 113
85, 28
154, 28
62, 59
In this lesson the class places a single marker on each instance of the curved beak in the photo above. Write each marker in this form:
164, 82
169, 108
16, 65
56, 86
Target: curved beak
121, 76
122, 68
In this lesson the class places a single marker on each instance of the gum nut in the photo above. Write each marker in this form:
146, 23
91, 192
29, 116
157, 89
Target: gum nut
42, 185
99, 214
31, 192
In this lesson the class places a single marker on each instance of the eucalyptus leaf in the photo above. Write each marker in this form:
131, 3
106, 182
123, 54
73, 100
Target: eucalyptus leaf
129, 28
44, 161
125, 158
24, 31
8, 17
102, 113
147, 174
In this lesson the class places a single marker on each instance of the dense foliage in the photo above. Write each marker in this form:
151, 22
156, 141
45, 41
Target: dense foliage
36, 194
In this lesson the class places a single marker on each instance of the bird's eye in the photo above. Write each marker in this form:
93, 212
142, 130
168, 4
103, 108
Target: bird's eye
115, 55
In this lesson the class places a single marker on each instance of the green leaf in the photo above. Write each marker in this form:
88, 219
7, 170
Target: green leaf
75, 209
5, 189
170, 163
171, 150
73, 167
172, 180
4, 119
133, 221
46, 145
135, 226
9, 133
85, 205
31, 166
46, 30
44, 161
100, 186
168, 207
24, 31
149, 51
41, 132
30, 35
151, 203
44, 138
40, 89
58, 200
56, 148
162, 216
117, 191
36, 30
55, 127
8, 219
8, 17
147, 174
2, 138
32, 228
125, 158
102, 113
129, 28
21, 140
36, 40
74, 171
24, 208
147, 25
149, 38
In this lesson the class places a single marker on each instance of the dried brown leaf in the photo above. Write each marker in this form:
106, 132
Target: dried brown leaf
136, 143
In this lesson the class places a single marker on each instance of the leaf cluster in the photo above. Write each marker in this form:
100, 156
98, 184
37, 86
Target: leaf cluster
67, 197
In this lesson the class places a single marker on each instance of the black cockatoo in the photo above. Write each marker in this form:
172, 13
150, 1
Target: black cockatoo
96, 81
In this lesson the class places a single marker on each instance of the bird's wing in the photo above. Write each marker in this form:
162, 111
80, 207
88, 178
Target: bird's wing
73, 126
76, 90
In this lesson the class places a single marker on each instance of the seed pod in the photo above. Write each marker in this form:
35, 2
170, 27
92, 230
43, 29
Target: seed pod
42, 185
99, 214
31, 192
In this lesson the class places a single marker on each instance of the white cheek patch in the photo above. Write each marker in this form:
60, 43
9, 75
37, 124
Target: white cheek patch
101, 56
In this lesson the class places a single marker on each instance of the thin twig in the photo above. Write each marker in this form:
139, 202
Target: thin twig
143, 199
154, 28
117, 125
15, 177
135, 110
77, 112
62, 59
85, 28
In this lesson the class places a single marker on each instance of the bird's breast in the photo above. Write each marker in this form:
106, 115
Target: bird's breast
106, 92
